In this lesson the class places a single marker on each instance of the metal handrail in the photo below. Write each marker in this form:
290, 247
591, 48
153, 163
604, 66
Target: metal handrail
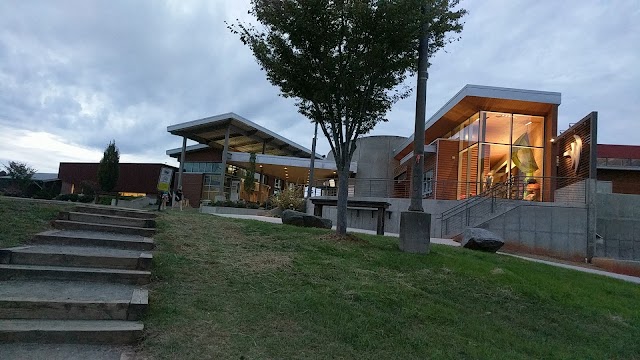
512, 189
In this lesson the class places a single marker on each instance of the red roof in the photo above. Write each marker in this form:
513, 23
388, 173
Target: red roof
619, 151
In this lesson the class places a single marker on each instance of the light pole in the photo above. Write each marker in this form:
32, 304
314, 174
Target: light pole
415, 224
418, 137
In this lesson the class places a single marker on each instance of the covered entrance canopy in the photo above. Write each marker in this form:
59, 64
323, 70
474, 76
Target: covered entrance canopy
240, 135
229, 139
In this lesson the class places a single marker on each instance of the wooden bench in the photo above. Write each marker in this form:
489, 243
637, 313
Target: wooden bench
380, 206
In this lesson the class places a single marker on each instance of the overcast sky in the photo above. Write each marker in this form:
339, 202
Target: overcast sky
76, 74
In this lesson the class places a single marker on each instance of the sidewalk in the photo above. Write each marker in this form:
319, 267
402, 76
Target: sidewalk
450, 242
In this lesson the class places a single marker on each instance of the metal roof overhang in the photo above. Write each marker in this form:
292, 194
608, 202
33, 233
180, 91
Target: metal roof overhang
290, 168
278, 166
474, 98
244, 136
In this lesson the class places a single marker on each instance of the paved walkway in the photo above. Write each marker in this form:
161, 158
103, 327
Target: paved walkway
450, 242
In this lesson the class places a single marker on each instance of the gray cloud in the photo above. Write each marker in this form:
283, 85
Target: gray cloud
91, 71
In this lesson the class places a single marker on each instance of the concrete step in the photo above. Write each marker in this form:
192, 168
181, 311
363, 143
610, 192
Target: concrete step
106, 219
22, 351
71, 331
71, 300
38, 272
83, 226
108, 210
93, 239
96, 257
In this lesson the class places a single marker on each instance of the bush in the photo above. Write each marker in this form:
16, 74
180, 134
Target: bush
289, 199
13, 191
105, 200
88, 187
44, 194
86, 198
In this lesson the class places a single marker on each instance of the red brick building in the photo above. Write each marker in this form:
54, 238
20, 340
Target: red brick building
134, 178
620, 164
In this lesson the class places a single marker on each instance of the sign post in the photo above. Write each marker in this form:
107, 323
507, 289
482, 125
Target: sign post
164, 180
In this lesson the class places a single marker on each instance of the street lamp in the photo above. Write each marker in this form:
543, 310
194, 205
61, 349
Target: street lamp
415, 224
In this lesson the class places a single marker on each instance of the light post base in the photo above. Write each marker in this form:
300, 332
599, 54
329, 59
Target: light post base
415, 232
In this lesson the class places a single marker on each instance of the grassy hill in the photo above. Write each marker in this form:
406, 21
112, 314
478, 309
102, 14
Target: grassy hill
21, 218
244, 289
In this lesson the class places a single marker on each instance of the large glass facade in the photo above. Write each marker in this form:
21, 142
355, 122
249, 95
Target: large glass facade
498, 148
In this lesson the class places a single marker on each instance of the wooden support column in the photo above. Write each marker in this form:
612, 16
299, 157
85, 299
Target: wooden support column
225, 152
264, 148
380, 224
182, 156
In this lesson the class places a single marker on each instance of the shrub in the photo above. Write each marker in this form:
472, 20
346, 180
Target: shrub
44, 194
289, 199
88, 187
86, 198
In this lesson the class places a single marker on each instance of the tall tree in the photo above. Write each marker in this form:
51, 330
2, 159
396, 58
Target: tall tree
20, 173
344, 61
108, 170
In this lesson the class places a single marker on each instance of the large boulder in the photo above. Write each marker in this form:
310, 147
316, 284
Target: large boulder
297, 218
481, 239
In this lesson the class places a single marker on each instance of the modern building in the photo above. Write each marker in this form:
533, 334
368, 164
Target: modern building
215, 169
494, 158
485, 136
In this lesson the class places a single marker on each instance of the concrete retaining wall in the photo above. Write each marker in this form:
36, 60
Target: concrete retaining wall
546, 228
367, 219
618, 223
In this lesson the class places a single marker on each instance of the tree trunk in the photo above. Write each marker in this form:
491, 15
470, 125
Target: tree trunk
343, 193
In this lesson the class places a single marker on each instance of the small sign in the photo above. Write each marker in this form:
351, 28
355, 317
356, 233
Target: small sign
164, 181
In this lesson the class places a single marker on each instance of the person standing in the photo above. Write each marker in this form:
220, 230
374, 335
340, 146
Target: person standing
165, 199
179, 197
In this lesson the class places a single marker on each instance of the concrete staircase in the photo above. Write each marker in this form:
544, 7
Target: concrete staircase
82, 283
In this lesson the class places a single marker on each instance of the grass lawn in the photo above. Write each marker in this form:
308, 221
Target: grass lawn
22, 218
227, 288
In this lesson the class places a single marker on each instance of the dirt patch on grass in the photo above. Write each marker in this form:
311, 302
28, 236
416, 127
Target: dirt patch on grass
346, 238
262, 261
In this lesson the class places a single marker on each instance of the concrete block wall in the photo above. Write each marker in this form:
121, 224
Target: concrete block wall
574, 193
618, 223
555, 229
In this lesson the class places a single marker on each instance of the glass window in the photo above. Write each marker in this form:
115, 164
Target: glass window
427, 183
474, 129
602, 161
494, 165
635, 162
528, 130
526, 161
497, 128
